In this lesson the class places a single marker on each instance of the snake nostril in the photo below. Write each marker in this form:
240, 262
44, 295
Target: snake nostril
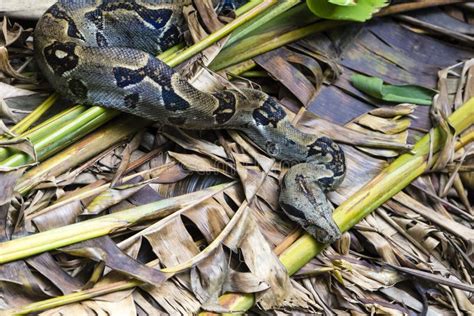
271, 148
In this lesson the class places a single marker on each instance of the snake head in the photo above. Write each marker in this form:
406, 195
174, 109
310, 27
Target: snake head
320, 225
305, 202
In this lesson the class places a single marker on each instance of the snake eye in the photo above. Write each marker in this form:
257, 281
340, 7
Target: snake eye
271, 148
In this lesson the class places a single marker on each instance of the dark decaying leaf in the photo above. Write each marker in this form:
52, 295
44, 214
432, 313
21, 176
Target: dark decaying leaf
113, 196
50, 269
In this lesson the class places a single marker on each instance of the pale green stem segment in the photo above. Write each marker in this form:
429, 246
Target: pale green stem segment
221, 33
392, 180
24, 124
88, 147
248, 6
74, 297
67, 235
45, 128
264, 18
64, 136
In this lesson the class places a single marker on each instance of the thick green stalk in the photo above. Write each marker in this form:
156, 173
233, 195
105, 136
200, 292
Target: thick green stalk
389, 182
45, 128
264, 18
270, 41
67, 235
88, 147
64, 136
24, 124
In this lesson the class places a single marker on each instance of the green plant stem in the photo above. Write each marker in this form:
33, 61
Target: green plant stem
248, 6
74, 297
389, 182
67, 235
270, 41
240, 68
173, 50
64, 136
45, 128
254, 74
88, 147
264, 18
24, 124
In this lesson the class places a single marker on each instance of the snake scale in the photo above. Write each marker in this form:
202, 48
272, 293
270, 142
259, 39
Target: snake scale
102, 53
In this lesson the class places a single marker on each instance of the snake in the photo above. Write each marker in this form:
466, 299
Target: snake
102, 52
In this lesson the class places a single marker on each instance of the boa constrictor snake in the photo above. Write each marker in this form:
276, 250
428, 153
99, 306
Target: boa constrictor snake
102, 53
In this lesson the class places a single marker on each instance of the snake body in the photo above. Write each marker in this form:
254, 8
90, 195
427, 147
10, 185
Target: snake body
102, 53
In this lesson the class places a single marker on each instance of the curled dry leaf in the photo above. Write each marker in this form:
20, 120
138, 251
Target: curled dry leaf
9, 92
13, 35
391, 124
7, 68
113, 196
279, 63
105, 250
199, 164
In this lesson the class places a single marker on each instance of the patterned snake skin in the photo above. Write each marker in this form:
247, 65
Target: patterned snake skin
102, 53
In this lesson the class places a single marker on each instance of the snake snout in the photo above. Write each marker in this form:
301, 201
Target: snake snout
326, 235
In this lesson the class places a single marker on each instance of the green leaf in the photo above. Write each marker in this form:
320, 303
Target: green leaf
360, 10
404, 93
343, 2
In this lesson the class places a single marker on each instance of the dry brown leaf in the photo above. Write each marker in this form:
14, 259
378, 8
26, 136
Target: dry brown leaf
7, 68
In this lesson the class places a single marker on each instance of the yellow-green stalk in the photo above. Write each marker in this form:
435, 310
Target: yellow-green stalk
47, 127
264, 18
88, 147
31, 118
248, 6
67, 235
249, 48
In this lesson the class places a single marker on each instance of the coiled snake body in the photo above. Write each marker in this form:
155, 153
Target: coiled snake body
102, 53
